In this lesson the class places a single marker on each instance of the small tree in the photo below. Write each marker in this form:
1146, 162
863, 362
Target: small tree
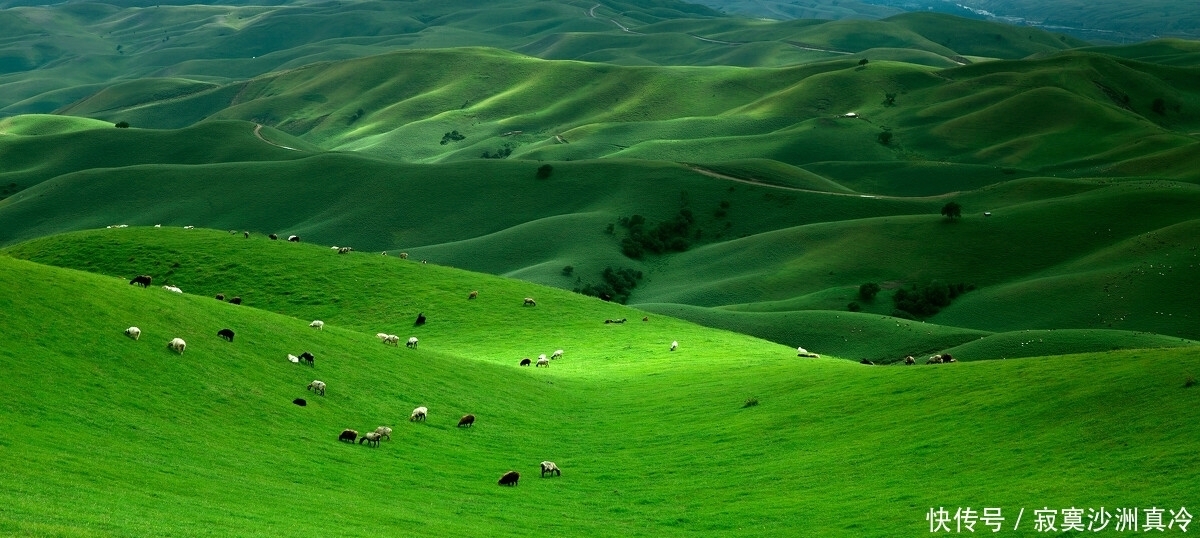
952, 210
544, 171
568, 270
868, 291
122, 125
862, 61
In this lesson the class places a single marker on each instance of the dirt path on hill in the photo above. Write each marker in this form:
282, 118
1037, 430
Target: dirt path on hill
718, 175
805, 46
258, 133
717, 41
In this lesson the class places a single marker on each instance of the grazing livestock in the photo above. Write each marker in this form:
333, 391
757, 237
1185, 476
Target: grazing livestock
141, 280
541, 357
403, 255
294, 238
308, 358
317, 386
947, 358
420, 319
372, 439
674, 345
934, 359
133, 332
646, 318
300, 402
158, 225
418, 414
865, 361
473, 295
467, 420
390, 339
530, 302
226, 334
525, 362
172, 289
273, 237
412, 342
622, 320
344, 250
235, 300
384, 431
189, 227
232, 232
543, 362
177, 345
318, 324
246, 234
220, 296
801, 352
910, 360
557, 354
348, 435
509, 479
293, 359
550, 467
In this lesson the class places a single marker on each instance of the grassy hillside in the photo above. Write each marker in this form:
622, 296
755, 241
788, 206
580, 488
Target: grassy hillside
651, 442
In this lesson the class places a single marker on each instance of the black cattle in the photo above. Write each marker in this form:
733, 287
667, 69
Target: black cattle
307, 357
226, 334
142, 280
510, 478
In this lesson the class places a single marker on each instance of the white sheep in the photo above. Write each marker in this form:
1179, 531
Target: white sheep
418, 414
293, 358
392, 339
557, 354
316, 386
172, 289
674, 345
320, 325
550, 467
384, 431
412, 342
530, 302
158, 225
543, 361
133, 332
541, 357
189, 227
371, 438
177, 345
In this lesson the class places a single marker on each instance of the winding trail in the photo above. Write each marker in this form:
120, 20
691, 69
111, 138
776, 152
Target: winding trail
717, 41
258, 133
718, 175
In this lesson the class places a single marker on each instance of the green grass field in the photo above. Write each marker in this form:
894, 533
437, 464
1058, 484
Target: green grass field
110, 436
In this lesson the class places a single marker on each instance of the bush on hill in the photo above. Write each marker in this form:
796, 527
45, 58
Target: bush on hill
924, 300
544, 171
952, 210
667, 236
502, 153
122, 125
452, 136
616, 285
868, 291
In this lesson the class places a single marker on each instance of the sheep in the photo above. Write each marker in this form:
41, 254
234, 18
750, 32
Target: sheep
542, 357
172, 289
318, 324
525, 362
867, 362
317, 386
232, 232
557, 354
335, 247
646, 318
235, 300
300, 402
801, 352
550, 467
381, 336
226, 334
246, 235
307, 357
372, 439
473, 295
384, 431
934, 359
391, 339
344, 250
420, 319
946, 358
466, 420
418, 414
141, 280
220, 296
674, 345
412, 342
158, 225
189, 227
177, 345
403, 255
622, 320
543, 362
509, 479
530, 302
293, 359
273, 237
910, 360
133, 332
294, 238
348, 435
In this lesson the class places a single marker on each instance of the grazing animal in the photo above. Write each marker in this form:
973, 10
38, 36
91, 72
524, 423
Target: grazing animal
530, 302
177, 345
333, 248
348, 435
307, 357
418, 414
541, 357
172, 289
189, 227
647, 318
467, 420
865, 361
273, 237
344, 250
317, 386
550, 467
403, 255
557, 354
158, 225
934, 359
801, 352
232, 232
674, 345
226, 334
320, 325
622, 320
235, 300
293, 358
543, 362
294, 238
246, 234
220, 296
390, 339
372, 439
525, 362
947, 358
384, 431
300, 402
420, 319
910, 360
412, 342
141, 280
473, 295
510, 478
133, 332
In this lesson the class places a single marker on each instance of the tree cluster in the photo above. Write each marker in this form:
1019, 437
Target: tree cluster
666, 236
924, 300
615, 285
452, 136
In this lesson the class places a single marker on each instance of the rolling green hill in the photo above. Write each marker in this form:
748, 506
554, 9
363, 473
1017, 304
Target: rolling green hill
107, 435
